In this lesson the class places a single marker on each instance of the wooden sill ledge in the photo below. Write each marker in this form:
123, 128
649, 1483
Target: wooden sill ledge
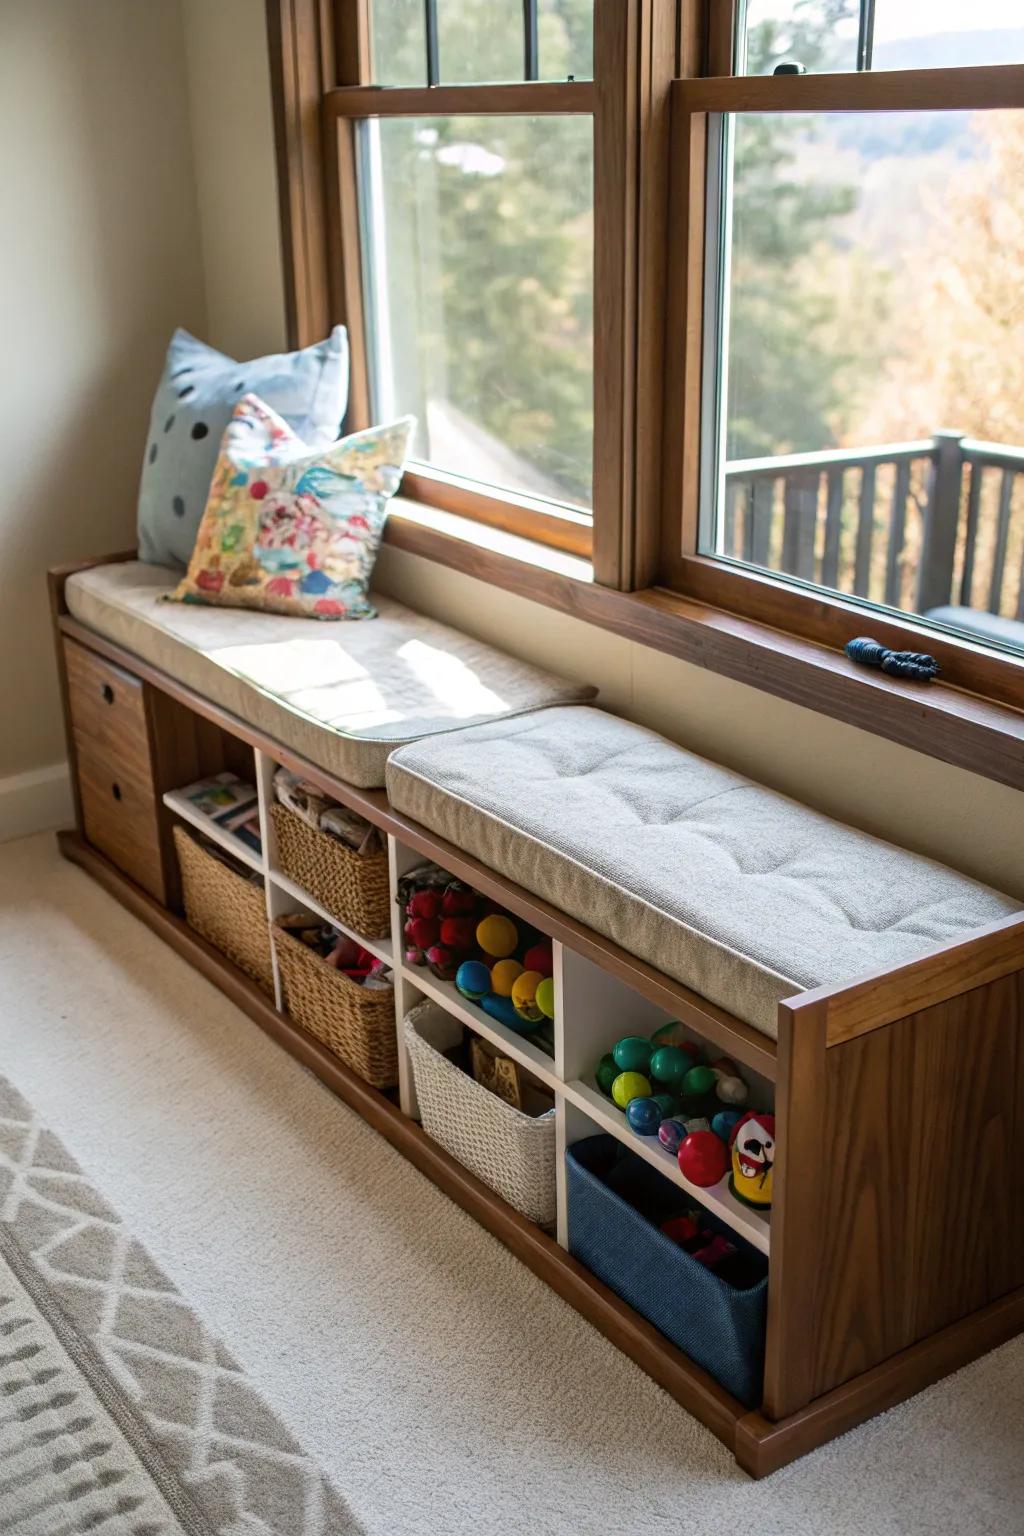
943, 722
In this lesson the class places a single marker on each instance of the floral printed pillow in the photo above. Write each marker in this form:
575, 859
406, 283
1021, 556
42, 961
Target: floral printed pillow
290, 531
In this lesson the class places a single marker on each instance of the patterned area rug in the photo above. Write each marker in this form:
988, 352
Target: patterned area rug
119, 1413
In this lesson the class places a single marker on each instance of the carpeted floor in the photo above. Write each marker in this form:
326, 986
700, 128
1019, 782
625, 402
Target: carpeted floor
440, 1386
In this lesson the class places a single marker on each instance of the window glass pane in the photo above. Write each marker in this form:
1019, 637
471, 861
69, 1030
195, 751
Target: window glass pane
480, 40
935, 34
565, 31
871, 415
478, 252
819, 34
399, 42
903, 34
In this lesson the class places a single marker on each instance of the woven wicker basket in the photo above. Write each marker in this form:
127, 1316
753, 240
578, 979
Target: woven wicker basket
353, 887
512, 1152
356, 1023
228, 910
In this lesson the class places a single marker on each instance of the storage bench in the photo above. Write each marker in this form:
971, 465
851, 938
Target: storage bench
874, 999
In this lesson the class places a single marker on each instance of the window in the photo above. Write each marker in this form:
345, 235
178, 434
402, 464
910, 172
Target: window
472, 155
861, 426
724, 297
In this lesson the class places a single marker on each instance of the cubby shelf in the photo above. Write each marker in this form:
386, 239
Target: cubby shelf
519, 1047
379, 947
718, 1199
180, 804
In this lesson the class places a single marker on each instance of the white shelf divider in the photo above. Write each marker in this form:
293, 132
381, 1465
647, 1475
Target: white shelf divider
519, 1047
183, 807
751, 1224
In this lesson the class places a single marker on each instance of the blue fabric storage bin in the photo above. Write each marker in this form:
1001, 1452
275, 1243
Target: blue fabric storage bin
616, 1204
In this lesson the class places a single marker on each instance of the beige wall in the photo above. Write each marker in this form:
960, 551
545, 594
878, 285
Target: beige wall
99, 260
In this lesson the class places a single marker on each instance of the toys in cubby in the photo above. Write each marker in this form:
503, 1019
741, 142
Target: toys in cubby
495, 960
695, 1107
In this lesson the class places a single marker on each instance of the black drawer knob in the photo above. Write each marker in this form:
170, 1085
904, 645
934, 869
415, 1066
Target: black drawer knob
108, 693
115, 790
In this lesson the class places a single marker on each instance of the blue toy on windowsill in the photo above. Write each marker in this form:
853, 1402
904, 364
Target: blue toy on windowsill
912, 664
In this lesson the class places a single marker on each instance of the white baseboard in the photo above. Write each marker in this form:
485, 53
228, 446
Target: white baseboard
35, 802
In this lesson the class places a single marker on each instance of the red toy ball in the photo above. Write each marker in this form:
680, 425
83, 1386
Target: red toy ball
458, 901
425, 903
458, 932
703, 1159
539, 958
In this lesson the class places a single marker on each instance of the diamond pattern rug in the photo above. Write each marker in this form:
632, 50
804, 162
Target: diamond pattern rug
119, 1412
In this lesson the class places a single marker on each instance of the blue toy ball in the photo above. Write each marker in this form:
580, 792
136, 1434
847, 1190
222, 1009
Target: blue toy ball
671, 1134
644, 1116
473, 980
501, 1008
723, 1122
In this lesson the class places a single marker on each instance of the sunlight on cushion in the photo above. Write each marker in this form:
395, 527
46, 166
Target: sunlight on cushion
449, 682
281, 664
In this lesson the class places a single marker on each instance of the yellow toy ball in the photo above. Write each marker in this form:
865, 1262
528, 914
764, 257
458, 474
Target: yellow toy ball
630, 1085
524, 996
546, 997
504, 975
497, 935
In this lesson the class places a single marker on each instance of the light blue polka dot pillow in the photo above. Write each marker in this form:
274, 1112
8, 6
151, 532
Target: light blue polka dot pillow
194, 402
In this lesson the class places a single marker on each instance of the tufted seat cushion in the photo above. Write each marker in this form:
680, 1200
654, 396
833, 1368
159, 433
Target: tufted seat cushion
743, 895
343, 695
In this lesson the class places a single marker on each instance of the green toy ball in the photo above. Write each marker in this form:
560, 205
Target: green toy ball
698, 1081
606, 1074
545, 997
630, 1085
670, 1065
667, 1103
633, 1054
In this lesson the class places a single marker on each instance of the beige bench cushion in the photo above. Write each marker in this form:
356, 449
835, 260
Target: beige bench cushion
741, 894
343, 695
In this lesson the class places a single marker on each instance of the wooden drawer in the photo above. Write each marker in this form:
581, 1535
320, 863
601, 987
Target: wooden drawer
119, 814
108, 708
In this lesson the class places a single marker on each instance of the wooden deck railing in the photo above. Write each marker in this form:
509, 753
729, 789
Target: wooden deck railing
914, 525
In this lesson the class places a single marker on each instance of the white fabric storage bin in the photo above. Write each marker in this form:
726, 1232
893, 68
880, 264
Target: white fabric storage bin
512, 1152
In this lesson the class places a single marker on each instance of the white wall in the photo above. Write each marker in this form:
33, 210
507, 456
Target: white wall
99, 259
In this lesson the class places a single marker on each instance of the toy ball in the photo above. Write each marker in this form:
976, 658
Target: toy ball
539, 958
497, 935
457, 933
606, 1074
724, 1121
703, 1159
671, 1134
725, 1067
546, 997
681, 1229
633, 1054
669, 1064
644, 1116
524, 997
731, 1090
441, 961
504, 975
426, 903
675, 1034
630, 1085
501, 1008
473, 979
698, 1081
666, 1102
458, 901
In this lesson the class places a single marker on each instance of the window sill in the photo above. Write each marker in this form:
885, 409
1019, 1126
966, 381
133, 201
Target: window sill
947, 723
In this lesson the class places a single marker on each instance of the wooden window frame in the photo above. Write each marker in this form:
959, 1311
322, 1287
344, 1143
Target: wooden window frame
811, 614
660, 67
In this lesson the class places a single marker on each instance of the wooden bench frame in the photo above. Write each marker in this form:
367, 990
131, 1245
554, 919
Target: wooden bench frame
897, 1243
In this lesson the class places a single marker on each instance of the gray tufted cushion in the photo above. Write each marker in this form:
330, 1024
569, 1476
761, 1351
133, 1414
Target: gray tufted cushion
736, 891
